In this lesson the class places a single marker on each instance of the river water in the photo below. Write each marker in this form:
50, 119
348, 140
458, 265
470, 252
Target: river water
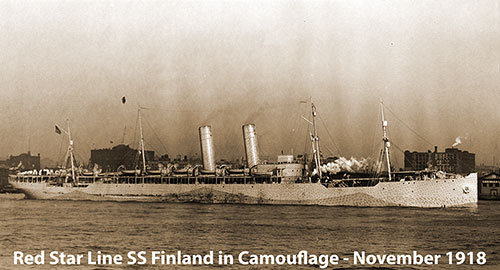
76, 227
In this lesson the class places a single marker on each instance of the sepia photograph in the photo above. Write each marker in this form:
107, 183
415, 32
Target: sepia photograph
249, 134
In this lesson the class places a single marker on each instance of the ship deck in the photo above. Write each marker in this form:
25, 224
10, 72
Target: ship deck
81, 181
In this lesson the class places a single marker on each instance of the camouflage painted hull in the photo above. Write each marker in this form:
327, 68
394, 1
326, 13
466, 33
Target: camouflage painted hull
453, 192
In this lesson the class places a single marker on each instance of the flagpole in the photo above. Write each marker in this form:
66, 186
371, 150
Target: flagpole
70, 149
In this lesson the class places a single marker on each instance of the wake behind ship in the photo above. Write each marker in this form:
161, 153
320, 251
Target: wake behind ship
290, 181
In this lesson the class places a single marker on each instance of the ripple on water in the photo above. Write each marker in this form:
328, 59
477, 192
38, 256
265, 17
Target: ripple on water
79, 226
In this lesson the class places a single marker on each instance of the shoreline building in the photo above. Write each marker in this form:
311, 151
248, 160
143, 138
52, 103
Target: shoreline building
452, 160
488, 186
26, 160
110, 159
483, 169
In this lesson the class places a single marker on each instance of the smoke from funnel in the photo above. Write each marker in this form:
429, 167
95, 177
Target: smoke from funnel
250, 141
207, 148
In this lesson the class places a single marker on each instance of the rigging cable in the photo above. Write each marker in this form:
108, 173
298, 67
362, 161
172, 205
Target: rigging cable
401, 150
307, 141
407, 126
331, 138
59, 154
329, 150
375, 141
156, 135
137, 156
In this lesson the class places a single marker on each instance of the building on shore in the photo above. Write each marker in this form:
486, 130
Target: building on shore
483, 169
489, 185
452, 160
24, 161
111, 158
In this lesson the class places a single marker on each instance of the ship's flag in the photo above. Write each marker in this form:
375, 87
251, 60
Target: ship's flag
124, 100
58, 131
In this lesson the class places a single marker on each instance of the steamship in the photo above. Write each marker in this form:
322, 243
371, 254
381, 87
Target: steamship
290, 181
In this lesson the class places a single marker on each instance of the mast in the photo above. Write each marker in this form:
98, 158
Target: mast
70, 150
315, 141
142, 143
387, 143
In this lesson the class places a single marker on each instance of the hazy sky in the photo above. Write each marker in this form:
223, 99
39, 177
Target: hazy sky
436, 64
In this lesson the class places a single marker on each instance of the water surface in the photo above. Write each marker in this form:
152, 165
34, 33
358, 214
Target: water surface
118, 227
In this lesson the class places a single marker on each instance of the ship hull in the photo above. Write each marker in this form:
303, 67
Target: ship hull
456, 192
